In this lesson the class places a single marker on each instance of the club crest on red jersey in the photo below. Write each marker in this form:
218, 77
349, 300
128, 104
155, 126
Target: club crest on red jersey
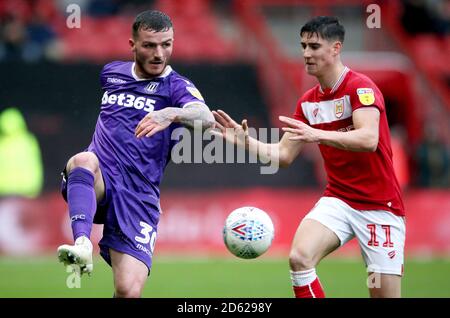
315, 111
339, 108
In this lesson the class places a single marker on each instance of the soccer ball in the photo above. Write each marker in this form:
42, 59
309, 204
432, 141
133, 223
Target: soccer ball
248, 232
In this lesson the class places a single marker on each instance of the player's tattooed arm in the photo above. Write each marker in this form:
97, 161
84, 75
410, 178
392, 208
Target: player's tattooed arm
191, 115
195, 113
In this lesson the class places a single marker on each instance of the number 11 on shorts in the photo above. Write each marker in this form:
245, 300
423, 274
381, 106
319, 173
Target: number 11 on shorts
373, 235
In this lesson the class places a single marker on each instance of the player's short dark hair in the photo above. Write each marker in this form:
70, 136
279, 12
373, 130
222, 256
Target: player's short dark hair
151, 20
328, 28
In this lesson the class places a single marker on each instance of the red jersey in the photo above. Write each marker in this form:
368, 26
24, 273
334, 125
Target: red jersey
364, 180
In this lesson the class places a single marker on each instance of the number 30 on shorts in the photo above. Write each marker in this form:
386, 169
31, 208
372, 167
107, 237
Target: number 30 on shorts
147, 237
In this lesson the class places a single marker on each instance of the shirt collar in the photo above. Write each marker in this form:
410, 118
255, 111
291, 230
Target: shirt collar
337, 84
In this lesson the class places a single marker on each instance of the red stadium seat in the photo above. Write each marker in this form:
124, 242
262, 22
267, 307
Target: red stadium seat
197, 35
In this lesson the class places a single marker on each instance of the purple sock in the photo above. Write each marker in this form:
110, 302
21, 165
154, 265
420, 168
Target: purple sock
81, 200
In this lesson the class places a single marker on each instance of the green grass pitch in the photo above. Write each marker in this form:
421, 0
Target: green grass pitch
215, 277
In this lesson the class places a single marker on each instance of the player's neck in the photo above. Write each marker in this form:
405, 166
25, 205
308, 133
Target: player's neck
329, 79
137, 71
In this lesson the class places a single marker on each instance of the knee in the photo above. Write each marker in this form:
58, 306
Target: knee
86, 160
301, 260
128, 289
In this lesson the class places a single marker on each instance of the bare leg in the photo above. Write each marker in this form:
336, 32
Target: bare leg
312, 242
388, 286
130, 275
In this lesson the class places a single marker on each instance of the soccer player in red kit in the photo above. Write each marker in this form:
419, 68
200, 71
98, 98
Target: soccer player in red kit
345, 115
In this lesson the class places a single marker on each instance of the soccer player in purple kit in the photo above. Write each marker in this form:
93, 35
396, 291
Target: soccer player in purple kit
115, 181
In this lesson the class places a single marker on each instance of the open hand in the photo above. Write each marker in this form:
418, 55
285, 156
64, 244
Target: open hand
153, 122
230, 130
301, 131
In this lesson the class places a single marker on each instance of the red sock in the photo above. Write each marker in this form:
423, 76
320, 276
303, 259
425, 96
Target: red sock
313, 290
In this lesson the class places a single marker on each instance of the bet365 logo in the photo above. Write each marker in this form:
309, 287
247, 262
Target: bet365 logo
129, 100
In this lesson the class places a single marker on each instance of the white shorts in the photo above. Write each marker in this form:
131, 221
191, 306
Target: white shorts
380, 234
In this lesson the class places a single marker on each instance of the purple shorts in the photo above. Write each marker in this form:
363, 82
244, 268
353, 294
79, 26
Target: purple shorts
130, 221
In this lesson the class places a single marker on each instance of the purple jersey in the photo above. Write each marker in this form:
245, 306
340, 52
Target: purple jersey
131, 164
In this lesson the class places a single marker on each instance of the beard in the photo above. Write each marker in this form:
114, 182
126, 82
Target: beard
150, 68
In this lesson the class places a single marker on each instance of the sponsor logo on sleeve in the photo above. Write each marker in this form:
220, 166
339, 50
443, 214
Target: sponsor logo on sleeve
195, 92
366, 96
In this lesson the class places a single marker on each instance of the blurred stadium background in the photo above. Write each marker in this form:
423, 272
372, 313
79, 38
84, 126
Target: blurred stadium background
244, 56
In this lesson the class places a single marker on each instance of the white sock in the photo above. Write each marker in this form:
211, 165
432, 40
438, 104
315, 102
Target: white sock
303, 278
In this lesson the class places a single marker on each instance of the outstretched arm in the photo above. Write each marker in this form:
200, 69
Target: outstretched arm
281, 153
161, 119
364, 137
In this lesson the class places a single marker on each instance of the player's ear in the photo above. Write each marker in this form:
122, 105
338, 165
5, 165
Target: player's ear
132, 45
337, 46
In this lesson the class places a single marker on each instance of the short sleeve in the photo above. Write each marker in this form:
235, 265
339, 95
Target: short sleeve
366, 94
106, 71
298, 114
184, 93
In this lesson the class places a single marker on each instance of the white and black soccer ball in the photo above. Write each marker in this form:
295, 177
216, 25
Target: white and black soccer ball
248, 232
